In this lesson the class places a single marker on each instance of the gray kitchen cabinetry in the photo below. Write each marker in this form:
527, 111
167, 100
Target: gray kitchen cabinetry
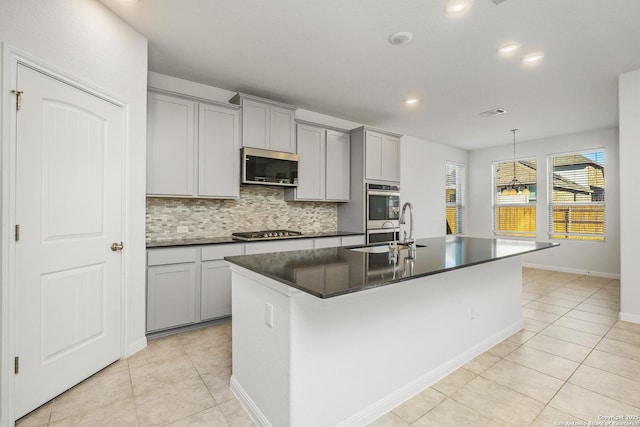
215, 282
189, 285
192, 148
266, 124
171, 288
323, 170
382, 156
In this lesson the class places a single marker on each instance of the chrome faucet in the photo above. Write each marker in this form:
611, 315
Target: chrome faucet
411, 240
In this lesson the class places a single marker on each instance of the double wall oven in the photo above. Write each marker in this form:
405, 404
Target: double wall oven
383, 213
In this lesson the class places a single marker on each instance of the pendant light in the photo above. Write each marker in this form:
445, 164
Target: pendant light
514, 187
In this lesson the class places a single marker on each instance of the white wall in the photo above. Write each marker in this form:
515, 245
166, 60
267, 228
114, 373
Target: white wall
83, 39
596, 258
629, 103
422, 182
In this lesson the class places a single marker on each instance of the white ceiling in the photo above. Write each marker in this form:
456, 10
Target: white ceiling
333, 57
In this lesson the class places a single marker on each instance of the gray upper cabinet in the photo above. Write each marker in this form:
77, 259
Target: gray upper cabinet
218, 152
191, 155
338, 166
382, 156
170, 146
266, 124
323, 169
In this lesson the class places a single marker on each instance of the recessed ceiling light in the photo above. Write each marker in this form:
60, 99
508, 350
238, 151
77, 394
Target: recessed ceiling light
457, 7
532, 58
509, 47
401, 37
411, 101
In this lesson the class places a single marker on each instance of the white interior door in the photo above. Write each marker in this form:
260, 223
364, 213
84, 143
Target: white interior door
68, 206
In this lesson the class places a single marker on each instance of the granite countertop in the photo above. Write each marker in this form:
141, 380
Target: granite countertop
161, 243
353, 271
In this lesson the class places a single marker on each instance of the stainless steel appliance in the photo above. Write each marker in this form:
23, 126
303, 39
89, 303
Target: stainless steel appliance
266, 235
266, 167
383, 205
382, 235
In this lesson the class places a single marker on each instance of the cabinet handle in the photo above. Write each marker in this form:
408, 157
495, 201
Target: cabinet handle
116, 246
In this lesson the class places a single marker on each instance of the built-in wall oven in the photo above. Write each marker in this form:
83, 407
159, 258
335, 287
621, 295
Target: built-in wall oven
383, 212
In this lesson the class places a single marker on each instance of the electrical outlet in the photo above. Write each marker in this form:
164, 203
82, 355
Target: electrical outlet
472, 313
268, 315
183, 229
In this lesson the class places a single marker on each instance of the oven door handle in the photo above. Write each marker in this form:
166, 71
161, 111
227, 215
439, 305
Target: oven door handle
382, 193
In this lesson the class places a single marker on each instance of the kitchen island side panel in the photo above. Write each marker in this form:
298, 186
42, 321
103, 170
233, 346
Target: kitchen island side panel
260, 354
355, 357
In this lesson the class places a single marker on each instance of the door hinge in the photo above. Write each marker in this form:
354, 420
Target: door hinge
18, 94
17, 232
16, 365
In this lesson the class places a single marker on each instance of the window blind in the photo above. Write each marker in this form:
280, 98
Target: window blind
515, 197
577, 195
454, 179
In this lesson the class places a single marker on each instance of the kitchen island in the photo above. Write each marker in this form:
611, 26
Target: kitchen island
339, 336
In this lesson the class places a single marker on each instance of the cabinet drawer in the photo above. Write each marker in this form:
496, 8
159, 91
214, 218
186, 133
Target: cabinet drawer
214, 252
278, 246
352, 240
170, 256
327, 242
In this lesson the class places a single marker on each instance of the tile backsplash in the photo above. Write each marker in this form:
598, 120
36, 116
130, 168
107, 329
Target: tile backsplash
258, 208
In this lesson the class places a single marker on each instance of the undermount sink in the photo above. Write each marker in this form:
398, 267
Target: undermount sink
379, 249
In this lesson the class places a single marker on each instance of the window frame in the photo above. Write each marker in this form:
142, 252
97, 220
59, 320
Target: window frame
575, 236
459, 204
494, 198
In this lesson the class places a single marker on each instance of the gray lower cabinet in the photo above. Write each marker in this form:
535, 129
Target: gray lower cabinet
215, 287
188, 285
171, 295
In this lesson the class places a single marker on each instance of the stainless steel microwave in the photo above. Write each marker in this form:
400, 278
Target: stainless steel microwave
266, 167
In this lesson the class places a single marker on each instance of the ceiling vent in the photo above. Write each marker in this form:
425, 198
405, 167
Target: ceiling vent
494, 112
498, 1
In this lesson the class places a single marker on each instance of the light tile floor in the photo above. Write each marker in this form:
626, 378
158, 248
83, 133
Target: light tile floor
573, 361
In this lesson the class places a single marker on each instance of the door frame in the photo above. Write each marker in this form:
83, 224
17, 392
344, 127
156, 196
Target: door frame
10, 58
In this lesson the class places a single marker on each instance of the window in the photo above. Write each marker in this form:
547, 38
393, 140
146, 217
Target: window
515, 189
454, 177
576, 196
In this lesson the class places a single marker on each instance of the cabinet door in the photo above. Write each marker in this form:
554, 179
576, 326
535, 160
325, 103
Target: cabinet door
282, 130
311, 167
170, 146
337, 166
390, 170
215, 291
373, 155
255, 124
171, 293
218, 152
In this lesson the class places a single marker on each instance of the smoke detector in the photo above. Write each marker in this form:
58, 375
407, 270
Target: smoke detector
494, 112
401, 37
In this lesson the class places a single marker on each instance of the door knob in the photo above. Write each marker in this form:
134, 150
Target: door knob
116, 246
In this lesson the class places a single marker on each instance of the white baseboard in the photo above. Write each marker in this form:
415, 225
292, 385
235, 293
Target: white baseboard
406, 392
628, 317
572, 270
136, 346
248, 404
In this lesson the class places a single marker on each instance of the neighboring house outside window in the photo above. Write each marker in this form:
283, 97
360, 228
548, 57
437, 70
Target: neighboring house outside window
454, 179
515, 196
577, 195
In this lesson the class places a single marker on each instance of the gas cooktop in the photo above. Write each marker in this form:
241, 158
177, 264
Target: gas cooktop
266, 235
